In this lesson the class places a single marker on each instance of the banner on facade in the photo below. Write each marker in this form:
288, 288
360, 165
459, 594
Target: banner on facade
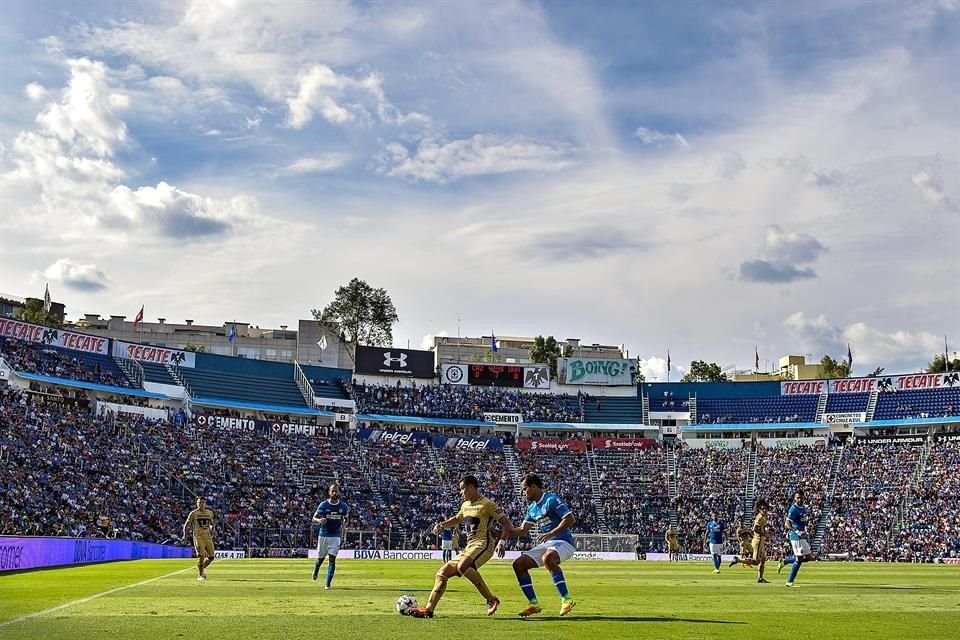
597, 371
467, 443
154, 355
551, 444
21, 553
132, 410
251, 425
503, 418
622, 443
848, 417
536, 377
54, 337
453, 374
881, 384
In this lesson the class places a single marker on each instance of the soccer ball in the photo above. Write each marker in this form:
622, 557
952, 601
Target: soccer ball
405, 603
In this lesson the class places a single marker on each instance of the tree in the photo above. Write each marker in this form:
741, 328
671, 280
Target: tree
831, 368
937, 366
34, 312
196, 348
876, 373
547, 350
700, 371
359, 314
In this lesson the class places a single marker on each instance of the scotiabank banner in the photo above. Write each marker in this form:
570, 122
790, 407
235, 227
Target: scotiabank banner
156, 355
882, 384
55, 337
17, 554
622, 443
551, 444
226, 423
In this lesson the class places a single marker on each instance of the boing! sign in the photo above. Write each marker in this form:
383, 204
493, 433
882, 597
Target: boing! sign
596, 371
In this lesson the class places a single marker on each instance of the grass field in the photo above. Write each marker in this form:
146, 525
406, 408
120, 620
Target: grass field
277, 599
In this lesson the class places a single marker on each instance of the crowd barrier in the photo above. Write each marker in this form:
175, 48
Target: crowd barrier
19, 553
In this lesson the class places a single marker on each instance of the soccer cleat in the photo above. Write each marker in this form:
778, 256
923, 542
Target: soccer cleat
533, 609
420, 612
326, 587
762, 581
789, 584
780, 565
716, 572
201, 578
492, 605
734, 562
567, 607
315, 574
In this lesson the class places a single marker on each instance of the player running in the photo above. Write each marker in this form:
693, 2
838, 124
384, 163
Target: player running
478, 513
758, 545
330, 516
673, 544
201, 521
716, 530
554, 543
796, 525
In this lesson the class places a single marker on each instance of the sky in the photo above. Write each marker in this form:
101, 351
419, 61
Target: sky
705, 177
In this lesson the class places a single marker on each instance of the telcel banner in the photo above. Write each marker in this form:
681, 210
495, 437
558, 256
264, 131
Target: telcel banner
596, 371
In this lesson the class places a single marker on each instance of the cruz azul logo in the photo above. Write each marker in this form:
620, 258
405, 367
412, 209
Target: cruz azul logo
388, 359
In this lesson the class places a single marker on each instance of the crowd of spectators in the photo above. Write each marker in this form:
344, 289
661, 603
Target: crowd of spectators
709, 481
929, 530
464, 402
635, 493
872, 484
783, 471
48, 360
567, 474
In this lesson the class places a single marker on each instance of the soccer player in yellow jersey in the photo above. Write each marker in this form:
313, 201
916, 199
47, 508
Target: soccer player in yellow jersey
673, 545
758, 545
744, 537
478, 513
201, 521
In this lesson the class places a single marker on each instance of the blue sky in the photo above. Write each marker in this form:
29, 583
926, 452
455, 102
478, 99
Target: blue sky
703, 176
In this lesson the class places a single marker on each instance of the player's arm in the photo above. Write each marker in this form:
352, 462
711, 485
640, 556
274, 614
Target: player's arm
188, 524
522, 530
449, 523
506, 528
319, 517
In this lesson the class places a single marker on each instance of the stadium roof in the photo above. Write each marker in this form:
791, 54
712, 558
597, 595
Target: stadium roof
92, 386
257, 406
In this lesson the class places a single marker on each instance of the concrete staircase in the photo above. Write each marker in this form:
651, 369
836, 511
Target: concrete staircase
821, 529
821, 407
512, 461
672, 485
872, 405
595, 491
750, 490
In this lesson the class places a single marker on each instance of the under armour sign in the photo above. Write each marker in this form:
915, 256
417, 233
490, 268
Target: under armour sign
386, 361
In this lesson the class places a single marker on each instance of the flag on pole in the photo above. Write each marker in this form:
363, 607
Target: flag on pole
47, 302
137, 320
756, 358
849, 357
233, 333
322, 343
493, 342
946, 356
668, 360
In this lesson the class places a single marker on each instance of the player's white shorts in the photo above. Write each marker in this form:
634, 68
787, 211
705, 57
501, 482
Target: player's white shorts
801, 547
716, 549
446, 545
327, 546
563, 548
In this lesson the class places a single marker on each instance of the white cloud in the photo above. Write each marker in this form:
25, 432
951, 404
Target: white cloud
35, 91
317, 164
931, 186
483, 154
427, 342
81, 277
783, 253
653, 137
654, 369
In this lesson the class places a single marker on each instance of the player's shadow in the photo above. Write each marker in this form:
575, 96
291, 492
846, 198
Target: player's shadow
599, 618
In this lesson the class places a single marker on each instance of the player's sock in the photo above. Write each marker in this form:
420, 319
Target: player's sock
316, 569
793, 571
716, 562
526, 585
331, 569
560, 583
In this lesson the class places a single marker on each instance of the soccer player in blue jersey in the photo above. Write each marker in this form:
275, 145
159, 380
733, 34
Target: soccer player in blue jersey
716, 530
796, 525
330, 516
446, 544
554, 543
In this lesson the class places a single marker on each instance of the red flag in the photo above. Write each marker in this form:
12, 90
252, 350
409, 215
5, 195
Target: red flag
138, 319
756, 358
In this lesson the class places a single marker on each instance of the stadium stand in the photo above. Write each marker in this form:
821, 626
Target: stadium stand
781, 472
635, 495
847, 402
239, 380
918, 403
768, 409
153, 372
612, 410
930, 526
328, 382
565, 473
56, 362
709, 480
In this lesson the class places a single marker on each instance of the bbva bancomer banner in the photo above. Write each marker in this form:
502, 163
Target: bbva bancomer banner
596, 371
156, 355
17, 554
55, 337
472, 443
882, 384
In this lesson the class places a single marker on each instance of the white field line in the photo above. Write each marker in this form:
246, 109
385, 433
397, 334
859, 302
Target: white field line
89, 598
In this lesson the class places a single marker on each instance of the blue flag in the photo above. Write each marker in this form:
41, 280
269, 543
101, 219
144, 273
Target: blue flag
493, 342
849, 356
233, 333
